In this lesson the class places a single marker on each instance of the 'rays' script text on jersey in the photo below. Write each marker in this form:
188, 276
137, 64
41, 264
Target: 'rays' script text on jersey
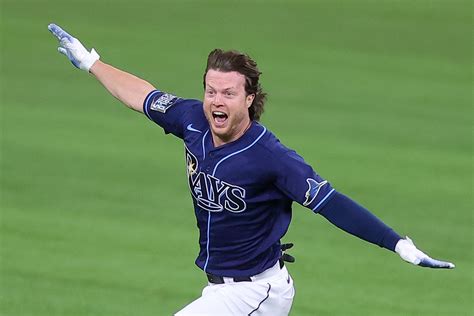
211, 193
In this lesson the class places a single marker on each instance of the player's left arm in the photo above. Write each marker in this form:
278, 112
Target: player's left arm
358, 221
299, 182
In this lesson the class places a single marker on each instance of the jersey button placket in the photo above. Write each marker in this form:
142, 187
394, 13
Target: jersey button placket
212, 157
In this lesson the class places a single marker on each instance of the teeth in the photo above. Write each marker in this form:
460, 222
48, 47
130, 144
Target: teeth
218, 113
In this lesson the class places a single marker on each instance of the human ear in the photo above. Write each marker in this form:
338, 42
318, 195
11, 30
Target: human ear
250, 99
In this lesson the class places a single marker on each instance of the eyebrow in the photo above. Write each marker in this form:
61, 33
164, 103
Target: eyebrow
225, 89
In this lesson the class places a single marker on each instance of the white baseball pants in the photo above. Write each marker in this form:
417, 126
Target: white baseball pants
270, 293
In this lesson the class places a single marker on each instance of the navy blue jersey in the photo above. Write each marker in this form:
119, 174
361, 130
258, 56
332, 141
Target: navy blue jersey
242, 191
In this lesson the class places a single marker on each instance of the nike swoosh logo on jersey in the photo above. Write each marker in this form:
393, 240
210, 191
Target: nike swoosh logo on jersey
190, 128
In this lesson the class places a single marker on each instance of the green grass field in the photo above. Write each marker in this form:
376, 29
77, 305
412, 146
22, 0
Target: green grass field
96, 216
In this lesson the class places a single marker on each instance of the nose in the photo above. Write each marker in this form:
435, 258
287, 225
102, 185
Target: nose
218, 100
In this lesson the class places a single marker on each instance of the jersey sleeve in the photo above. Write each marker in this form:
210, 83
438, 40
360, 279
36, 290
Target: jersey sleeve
169, 111
300, 182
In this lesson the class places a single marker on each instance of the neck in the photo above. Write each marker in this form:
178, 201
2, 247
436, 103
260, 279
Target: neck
222, 140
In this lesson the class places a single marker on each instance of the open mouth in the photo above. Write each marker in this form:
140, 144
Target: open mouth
219, 117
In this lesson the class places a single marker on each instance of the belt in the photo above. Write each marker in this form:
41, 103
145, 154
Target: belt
220, 280
215, 279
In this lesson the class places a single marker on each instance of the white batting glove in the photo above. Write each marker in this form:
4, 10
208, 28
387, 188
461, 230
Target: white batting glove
73, 49
408, 252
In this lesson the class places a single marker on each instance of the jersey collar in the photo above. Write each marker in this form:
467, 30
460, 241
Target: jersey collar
245, 140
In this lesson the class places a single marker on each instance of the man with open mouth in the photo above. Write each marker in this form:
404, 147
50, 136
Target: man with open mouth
243, 182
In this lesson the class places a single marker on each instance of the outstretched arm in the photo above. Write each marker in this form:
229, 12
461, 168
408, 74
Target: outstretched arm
126, 87
356, 220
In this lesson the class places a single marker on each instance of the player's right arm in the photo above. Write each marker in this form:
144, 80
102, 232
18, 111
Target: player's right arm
127, 88
168, 111
124, 86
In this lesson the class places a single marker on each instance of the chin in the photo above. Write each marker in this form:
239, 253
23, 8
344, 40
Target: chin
221, 132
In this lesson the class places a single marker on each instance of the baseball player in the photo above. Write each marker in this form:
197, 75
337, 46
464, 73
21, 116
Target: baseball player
243, 182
